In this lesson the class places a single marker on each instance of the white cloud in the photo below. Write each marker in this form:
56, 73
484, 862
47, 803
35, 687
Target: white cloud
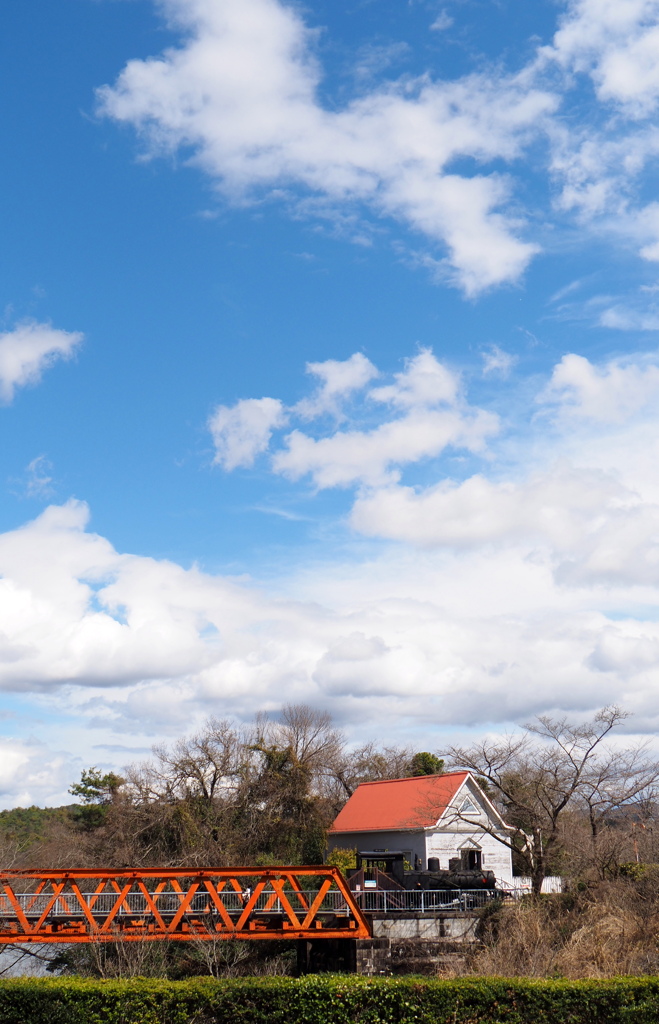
562, 506
496, 362
616, 42
339, 380
624, 318
608, 394
442, 22
38, 480
240, 94
243, 431
583, 524
31, 773
514, 582
427, 414
598, 156
28, 350
583, 495
435, 416
132, 632
423, 383
370, 456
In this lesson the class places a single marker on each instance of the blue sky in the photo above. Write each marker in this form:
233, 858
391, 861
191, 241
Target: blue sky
328, 367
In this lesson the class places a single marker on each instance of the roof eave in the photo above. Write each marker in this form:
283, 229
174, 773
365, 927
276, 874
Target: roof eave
387, 828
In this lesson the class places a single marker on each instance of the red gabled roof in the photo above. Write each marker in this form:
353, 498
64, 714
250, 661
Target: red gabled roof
398, 803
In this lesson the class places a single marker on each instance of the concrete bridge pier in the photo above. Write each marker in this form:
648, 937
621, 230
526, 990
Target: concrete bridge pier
404, 943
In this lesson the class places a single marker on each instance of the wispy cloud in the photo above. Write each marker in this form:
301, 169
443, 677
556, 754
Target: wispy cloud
442, 22
240, 93
496, 362
38, 478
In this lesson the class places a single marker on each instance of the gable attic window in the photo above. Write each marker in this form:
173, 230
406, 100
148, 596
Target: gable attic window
468, 806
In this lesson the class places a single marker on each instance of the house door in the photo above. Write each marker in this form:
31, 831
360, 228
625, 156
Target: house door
471, 860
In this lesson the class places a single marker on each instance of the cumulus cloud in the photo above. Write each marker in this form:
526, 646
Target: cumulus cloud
243, 431
434, 417
370, 456
339, 379
581, 490
426, 414
608, 394
28, 350
131, 633
590, 529
547, 574
599, 156
423, 383
561, 506
240, 93
31, 773
617, 45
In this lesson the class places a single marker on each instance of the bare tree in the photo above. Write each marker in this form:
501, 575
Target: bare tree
200, 766
311, 735
536, 782
370, 763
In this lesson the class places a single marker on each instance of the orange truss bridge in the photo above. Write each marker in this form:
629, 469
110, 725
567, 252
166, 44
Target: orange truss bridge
185, 903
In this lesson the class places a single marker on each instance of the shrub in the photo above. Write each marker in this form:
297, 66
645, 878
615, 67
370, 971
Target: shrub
330, 999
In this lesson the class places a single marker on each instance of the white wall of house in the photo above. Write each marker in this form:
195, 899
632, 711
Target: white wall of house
411, 841
462, 827
444, 844
448, 844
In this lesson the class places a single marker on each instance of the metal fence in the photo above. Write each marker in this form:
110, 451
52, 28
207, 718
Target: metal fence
423, 901
168, 903
520, 886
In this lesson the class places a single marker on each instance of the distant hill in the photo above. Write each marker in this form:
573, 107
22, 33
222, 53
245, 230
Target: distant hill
28, 825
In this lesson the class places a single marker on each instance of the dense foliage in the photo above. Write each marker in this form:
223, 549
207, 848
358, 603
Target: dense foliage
330, 1000
25, 826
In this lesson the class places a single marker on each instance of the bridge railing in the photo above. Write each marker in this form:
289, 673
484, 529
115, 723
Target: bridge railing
101, 904
168, 903
423, 901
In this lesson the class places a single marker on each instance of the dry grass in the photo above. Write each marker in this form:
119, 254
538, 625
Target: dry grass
607, 930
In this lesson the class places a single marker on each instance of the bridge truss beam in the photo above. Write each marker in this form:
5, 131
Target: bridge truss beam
184, 904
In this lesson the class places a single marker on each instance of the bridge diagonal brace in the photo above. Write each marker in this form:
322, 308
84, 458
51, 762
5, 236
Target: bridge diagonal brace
20, 916
251, 903
295, 886
84, 906
121, 897
278, 885
214, 892
96, 893
57, 890
185, 903
151, 904
317, 903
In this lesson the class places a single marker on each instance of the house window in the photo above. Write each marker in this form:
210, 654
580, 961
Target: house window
468, 806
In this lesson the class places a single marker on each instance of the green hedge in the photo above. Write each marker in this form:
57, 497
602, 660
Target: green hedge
329, 999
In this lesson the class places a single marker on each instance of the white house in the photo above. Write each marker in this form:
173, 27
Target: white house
442, 816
